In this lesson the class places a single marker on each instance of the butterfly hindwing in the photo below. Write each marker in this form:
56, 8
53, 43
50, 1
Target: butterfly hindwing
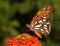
40, 23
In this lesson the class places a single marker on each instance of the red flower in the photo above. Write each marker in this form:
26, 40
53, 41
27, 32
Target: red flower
24, 40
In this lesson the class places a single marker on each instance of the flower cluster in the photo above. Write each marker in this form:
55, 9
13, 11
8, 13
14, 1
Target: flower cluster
24, 40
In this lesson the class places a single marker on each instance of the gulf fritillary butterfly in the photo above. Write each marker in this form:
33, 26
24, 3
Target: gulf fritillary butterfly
40, 23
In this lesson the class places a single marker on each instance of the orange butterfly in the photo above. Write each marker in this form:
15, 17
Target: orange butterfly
40, 23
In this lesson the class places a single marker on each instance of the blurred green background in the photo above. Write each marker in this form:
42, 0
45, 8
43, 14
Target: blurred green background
15, 14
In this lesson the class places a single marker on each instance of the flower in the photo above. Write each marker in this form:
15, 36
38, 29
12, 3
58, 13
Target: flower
24, 40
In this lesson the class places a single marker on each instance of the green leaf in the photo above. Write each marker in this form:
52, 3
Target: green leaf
14, 23
24, 7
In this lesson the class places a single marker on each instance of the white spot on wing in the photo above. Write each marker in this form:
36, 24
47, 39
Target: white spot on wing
48, 23
44, 9
38, 25
47, 31
45, 25
36, 22
36, 28
40, 21
42, 31
44, 19
47, 11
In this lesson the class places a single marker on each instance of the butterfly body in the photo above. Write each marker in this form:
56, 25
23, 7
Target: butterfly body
40, 23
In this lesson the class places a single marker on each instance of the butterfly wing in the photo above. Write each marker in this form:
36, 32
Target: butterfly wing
41, 26
40, 23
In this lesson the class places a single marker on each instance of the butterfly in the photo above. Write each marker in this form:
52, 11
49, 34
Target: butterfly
40, 23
